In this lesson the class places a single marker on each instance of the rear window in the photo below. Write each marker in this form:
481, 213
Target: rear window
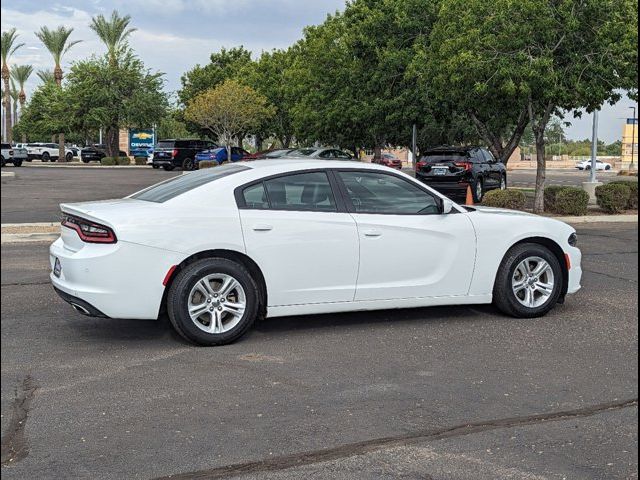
184, 183
165, 144
438, 157
305, 152
6, 145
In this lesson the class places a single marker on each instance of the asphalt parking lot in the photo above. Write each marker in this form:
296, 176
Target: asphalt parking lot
434, 393
36, 193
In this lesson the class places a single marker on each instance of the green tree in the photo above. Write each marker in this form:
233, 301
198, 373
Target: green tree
57, 42
222, 66
8, 46
113, 32
127, 96
229, 110
20, 74
46, 113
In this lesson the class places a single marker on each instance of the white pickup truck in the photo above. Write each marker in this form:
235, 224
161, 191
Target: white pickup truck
15, 155
47, 152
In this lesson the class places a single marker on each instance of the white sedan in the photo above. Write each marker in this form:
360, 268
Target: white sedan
600, 165
218, 248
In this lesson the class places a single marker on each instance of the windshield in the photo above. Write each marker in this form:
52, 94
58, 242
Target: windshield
176, 186
165, 144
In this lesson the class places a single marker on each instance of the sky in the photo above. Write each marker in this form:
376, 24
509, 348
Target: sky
174, 35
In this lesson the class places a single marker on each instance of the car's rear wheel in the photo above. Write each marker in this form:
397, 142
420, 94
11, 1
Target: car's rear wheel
503, 182
213, 301
168, 168
46, 157
17, 163
188, 165
478, 190
69, 157
529, 281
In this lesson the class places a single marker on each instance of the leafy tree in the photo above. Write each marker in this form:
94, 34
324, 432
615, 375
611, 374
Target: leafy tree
126, 96
509, 63
228, 111
171, 126
46, 113
57, 42
222, 66
8, 47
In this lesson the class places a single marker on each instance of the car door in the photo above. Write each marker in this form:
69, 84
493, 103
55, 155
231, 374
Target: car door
408, 249
494, 172
298, 232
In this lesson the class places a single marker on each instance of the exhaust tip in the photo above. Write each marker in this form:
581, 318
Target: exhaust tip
80, 308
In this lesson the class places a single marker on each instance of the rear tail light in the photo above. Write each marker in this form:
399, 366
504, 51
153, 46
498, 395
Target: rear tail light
420, 165
174, 154
88, 231
466, 165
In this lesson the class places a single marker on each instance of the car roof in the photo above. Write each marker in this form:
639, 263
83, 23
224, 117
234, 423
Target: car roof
305, 163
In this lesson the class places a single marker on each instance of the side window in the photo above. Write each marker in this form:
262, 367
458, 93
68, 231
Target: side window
372, 192
488, 156
342, 155
326, 154
255, 197
303, 191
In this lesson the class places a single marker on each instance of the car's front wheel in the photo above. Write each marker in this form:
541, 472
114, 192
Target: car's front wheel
213, 301
478, 190
46, 157
168, 168
188, 165
529, 282
69, 157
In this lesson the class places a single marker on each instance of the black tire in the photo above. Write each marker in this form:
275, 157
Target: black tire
4, 162
84, 160
177, 301
478, 190
608, 167
168, 168
156, 166
45, 157
504, 297
69, 157
17, 163
188, 165
503, 183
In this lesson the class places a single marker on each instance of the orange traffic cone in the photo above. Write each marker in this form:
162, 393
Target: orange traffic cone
469, 200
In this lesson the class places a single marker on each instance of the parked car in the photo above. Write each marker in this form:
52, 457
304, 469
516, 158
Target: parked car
600, 165
451, 170
320, 153
220, 247
15, 155
266, 154
388, 160
96, 153
173, 153
47, 152
220, 155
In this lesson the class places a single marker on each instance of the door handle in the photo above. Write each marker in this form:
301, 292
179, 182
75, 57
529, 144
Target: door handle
262, 227
372, 233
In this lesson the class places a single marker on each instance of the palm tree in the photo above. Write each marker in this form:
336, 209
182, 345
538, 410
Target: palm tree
46, 76
57, 42
113, 32
14, 94
21, 74
8, 47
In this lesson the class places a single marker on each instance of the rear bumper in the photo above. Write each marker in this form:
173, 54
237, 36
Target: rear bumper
80, 305
121, 280
164, 162
455, 186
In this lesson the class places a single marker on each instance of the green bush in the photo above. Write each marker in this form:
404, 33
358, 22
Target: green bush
633, 194
571, 201
140, 160
550, 194
109, 161
207, 164
613, 197
123, 161
511, 199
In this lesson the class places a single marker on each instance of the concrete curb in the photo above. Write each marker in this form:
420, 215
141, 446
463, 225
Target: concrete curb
92, 167
27, 237
7, 175
598, 219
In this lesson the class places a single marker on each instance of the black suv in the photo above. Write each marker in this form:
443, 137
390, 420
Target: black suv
95, 153
170, 154
450, 170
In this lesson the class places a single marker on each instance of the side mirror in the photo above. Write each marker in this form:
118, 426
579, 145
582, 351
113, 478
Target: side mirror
447, 206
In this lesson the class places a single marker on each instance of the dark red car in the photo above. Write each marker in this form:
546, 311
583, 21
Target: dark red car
389, 160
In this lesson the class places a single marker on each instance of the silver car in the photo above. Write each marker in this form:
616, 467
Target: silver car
320, 154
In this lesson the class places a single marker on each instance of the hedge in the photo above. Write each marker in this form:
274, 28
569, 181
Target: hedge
140, 160
550, 194
633, 194
109, 161
511, 199
207, 164
613, 197
571, 201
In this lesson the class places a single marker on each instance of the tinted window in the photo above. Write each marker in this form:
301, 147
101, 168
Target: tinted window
341, 154
165, 144
178, 185
305, 152
380, 193
6, 145
327, 154
255, 196
304, 191
488, 156
443, 157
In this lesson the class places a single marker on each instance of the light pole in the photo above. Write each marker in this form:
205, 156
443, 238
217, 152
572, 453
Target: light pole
594, 147
633, 140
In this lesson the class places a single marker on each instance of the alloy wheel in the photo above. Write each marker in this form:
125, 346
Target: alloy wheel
533, 282
217, 303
